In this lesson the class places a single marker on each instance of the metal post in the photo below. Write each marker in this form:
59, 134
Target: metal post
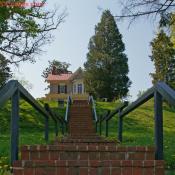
46, 128
56, 129
120, 127
106, 128
62, 128
158, 116
96, 126
100, 126
15, 126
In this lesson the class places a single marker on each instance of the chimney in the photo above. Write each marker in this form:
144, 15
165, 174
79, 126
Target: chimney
54, 71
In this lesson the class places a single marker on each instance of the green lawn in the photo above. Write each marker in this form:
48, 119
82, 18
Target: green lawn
31, 127
138, 127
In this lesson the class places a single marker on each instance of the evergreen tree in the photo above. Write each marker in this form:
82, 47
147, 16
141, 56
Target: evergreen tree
5, 72
106, 68
163, 56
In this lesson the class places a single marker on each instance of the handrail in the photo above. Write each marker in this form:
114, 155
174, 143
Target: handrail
162, 88
14, 90
118, 109
69, 101
91, 100
160, 91
110, 115
55, 118
101, 119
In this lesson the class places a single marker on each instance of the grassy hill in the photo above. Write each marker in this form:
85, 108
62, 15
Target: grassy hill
138, 127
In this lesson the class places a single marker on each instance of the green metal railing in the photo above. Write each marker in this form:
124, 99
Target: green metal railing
14, 90
67, 115
92, 102
159, 92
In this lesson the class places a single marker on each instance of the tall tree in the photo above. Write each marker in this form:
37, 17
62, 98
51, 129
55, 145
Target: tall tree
56, 67
5, 72
163, 57
106, 68
25, 28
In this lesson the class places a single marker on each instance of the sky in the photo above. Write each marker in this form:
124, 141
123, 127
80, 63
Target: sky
72, 38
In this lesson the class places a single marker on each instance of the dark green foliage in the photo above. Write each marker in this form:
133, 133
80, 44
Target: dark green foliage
56, 67
106, 68
163, 57
5, 72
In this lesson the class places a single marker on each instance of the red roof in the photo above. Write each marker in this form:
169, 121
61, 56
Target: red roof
61, 77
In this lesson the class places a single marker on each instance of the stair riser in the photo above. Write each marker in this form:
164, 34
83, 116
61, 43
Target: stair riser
91, 168
72, 155
87, 152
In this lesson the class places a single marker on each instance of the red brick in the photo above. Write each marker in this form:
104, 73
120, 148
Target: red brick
92, 147
126, 163
105, 171
94, 155
18, 172
34, 155
116, 163
73, 171
54, 155
61, 163
94, 163
159, 171
82, 148
93, 171
112, 148
25, 155
150, 149
62, 171
132, 148
24, 148
17, 163
150, 156
83, 171
106, 163
44, 155
83, 155
149, 171
141, 148
127, 171
137, 171
116, 171
136, 156
122, 148
138, 163
29, 171
117, 156
102, 148
104, 156
149, 163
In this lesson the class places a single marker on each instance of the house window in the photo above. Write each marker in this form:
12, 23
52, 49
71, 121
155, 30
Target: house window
74, 88
80, 89
62, 88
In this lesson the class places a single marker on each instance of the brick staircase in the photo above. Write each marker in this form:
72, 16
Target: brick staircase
85, 153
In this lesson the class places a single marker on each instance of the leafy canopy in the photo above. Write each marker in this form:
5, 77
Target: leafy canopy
163, 57
5, 72
56, 67
24, 30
